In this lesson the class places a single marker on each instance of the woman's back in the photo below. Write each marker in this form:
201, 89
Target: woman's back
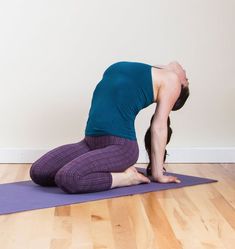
125, 89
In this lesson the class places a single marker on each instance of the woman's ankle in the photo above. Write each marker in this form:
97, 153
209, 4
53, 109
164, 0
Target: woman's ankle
120, 179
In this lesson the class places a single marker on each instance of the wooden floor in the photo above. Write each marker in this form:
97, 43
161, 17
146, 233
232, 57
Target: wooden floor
197, 217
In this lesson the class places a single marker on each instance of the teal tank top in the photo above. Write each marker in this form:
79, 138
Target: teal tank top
125, 89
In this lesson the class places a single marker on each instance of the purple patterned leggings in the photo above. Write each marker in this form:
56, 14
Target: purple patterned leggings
85, 166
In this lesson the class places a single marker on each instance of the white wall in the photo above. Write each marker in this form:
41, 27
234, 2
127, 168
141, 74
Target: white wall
53, 53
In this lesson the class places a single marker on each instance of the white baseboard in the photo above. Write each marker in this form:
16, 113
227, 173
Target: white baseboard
196, 155
176, 155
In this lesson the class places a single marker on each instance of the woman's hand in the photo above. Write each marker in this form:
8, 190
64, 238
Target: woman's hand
166, 179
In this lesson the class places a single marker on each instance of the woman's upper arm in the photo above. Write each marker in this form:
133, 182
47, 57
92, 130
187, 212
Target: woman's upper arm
167, 97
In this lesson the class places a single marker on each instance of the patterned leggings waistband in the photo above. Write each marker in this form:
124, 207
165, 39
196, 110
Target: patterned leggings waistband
107, 140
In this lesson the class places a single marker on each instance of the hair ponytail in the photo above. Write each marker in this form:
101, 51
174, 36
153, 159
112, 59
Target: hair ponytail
147, 142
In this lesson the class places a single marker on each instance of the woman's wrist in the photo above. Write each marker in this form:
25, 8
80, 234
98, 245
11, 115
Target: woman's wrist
157, 175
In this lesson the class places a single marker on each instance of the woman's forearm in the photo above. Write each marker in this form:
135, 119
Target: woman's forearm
158, 145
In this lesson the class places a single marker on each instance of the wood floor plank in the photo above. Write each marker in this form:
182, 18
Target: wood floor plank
180, 215
81, 224
211, 232
122, 227
101, 228
140, 222
164, 234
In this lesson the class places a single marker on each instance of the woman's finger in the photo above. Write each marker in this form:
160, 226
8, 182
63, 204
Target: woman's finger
175, 179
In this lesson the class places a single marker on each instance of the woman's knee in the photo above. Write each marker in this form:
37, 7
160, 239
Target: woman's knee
72, 183
33, 171
40, 175
65, 181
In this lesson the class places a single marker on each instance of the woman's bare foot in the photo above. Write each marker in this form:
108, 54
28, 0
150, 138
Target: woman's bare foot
136, 177
129, 177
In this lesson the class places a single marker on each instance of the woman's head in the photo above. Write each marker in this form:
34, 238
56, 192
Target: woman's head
175, 67
184, 94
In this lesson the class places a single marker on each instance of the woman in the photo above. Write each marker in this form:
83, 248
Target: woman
104, 158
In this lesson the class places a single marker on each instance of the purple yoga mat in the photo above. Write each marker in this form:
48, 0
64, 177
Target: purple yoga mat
26, 195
